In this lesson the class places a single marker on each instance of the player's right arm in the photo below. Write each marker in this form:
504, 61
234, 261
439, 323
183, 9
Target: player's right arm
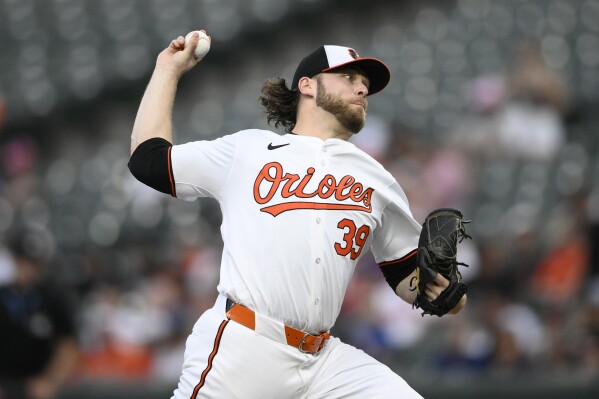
152, 136
186, 171
154, 116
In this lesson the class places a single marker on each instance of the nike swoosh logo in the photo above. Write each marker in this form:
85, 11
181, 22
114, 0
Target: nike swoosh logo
274, 147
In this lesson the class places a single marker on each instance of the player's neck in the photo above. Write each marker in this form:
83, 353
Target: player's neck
326, 127
321, 134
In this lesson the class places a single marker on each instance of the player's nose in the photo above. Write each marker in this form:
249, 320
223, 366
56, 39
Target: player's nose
361, 89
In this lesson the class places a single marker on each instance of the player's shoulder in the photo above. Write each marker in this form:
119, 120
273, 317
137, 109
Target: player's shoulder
372, 163
256, 134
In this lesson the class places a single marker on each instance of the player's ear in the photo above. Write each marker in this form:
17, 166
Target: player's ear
307, 86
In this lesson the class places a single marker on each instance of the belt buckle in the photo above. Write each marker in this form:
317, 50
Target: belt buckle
301, 345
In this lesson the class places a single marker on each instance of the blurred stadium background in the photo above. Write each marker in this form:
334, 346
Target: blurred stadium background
492, 108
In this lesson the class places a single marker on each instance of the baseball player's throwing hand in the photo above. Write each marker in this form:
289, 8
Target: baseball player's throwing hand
177, 57
153, 118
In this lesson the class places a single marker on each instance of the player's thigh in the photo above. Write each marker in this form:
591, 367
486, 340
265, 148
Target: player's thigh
225, 360
347, 372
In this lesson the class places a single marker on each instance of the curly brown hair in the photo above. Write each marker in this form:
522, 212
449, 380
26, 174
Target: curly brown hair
280, 103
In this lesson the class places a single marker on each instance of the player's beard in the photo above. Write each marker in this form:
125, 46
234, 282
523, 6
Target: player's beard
350, 117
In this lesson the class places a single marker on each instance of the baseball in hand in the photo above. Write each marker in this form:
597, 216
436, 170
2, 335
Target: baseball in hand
203, 44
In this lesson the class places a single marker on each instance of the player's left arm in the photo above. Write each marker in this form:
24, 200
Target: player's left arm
395, 247
401, 275
406, 290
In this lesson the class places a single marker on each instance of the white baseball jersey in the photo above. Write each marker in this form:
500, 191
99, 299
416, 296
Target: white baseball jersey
298, 213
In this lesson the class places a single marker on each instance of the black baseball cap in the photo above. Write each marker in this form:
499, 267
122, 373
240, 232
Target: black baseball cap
328, 58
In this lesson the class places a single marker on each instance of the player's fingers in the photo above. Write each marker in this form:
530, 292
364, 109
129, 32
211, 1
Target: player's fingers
177, 43
441, 281
437, 286
192, 42
209, 37
431, 291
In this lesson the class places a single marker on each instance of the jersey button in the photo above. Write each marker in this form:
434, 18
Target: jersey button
318, 220
316, 301
324, 149
317, 260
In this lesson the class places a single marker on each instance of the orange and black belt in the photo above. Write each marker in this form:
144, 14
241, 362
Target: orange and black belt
305, 342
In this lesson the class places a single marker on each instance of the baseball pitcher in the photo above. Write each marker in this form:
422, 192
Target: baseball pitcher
299, 211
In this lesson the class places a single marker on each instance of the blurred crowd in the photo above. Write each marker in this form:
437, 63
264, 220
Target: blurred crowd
533, 269
521, 162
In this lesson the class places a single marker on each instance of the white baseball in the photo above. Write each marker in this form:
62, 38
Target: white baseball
203, 44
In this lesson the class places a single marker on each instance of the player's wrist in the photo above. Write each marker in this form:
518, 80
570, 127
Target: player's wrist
168, 71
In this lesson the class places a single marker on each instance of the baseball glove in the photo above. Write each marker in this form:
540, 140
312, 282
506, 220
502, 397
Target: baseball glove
437, 252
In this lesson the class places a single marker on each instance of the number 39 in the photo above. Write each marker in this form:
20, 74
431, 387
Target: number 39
353, 234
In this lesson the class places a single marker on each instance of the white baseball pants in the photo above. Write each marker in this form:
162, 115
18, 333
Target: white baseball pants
225, 360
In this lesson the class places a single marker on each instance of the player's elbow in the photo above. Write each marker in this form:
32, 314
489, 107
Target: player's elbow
150, 164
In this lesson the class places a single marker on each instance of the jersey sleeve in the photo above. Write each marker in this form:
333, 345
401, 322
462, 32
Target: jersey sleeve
399, 232
150, 164
201, 168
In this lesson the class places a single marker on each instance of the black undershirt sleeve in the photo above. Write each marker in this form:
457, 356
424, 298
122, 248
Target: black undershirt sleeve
150, 163
396, 270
